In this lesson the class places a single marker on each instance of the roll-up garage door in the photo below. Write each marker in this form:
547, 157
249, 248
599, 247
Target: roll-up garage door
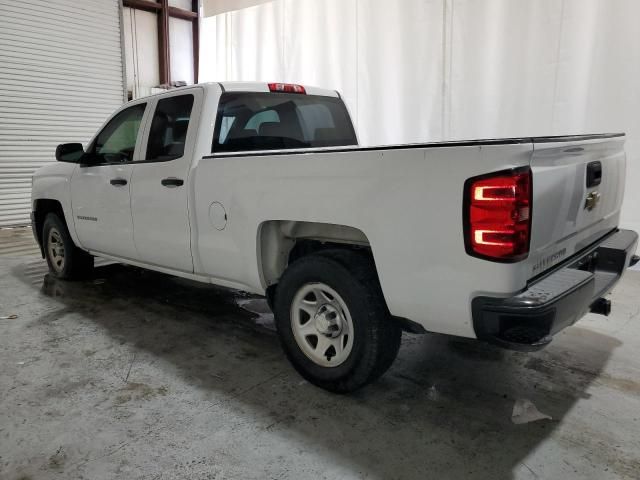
61, 75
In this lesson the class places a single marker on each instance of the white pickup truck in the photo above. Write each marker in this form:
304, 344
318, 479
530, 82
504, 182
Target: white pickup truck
263, 188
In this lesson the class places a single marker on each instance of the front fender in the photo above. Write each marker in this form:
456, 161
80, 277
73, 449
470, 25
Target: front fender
53, 182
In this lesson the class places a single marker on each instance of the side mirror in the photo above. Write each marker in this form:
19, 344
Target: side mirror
69, 152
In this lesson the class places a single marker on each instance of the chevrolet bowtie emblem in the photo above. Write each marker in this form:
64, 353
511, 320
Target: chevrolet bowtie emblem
592, 200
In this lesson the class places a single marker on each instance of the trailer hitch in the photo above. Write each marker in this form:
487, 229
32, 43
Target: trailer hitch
601, 306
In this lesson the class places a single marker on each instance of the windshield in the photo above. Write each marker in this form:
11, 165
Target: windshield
273, 121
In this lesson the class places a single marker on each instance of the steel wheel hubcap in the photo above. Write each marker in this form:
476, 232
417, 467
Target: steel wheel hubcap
55, 249
322, 324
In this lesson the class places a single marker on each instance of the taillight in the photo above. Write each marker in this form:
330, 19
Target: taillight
498, 215
286, 88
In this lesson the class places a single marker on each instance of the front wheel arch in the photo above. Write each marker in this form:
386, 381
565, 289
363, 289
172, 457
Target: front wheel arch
75, 263
42, 207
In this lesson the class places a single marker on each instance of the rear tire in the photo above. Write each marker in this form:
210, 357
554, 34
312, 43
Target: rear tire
65, 260
333, 322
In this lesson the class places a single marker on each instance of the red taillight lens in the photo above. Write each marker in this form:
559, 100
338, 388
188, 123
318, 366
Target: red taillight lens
498, 215
286, 88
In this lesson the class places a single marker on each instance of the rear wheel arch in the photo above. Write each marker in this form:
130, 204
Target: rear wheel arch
281, 242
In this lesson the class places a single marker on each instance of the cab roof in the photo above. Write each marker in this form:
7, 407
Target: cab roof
264, 87
241, 87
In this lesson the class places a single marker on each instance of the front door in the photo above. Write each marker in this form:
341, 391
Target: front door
100, 191
159, 185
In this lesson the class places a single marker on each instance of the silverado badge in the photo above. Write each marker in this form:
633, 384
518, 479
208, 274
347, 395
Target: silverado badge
592, 200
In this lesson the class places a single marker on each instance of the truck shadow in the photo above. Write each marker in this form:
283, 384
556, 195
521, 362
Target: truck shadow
442, 411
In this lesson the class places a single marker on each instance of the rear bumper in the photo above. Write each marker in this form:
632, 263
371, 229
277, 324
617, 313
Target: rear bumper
528, 321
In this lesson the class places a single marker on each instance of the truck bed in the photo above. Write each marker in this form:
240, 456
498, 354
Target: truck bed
407, 201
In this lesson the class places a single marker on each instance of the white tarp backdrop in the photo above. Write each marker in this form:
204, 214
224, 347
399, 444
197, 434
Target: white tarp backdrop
431, 70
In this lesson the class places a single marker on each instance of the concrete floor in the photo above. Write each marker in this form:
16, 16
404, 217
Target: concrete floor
137, 375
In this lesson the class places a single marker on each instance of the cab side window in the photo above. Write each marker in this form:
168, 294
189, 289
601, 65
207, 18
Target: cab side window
117, 140
169, 126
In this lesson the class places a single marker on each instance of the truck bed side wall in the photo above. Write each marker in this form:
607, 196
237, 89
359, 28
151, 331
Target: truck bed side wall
408, 203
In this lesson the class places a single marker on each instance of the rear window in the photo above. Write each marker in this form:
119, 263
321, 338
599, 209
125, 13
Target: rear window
273, 121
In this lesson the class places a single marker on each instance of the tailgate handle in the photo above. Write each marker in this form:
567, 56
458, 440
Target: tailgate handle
594, 174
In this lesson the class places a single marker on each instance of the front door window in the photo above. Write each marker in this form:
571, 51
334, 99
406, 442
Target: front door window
117, 140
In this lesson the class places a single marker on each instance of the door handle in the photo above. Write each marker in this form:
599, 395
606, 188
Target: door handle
118, 182
172, 182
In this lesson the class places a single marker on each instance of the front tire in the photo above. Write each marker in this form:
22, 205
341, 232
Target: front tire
65, 260
333, 322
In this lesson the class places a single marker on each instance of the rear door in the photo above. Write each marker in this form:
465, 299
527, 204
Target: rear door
160, 182
578, 186
100, 193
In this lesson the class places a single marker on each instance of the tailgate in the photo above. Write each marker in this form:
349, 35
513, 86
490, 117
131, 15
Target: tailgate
578, 186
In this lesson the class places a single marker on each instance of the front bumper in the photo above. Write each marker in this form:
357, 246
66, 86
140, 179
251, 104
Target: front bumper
528, 321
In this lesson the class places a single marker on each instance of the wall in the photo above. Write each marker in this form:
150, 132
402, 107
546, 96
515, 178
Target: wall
60, 78
141, 51
430, 70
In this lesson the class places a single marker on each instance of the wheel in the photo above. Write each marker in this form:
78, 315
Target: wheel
333, 322
65, 260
